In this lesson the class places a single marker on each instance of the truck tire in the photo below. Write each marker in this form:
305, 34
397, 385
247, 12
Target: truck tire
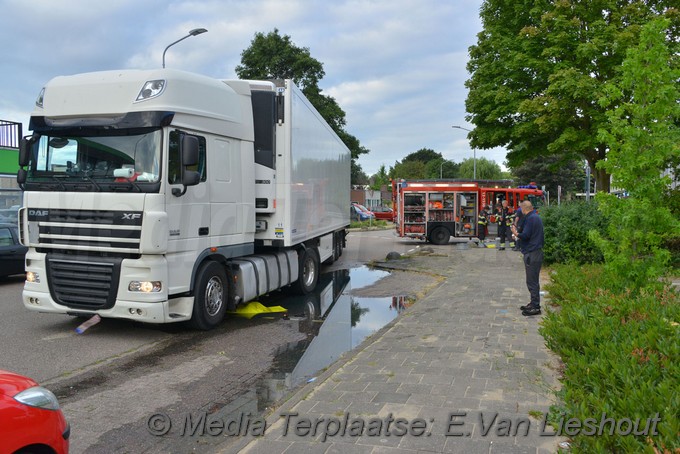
210, 296
337, 245
309, 270
440, 235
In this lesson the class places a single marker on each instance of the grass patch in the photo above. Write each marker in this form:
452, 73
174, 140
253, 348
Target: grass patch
621, 354
369, 224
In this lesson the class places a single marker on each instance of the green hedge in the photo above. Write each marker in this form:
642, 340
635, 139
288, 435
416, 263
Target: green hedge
566, 232
672, 243
621, 355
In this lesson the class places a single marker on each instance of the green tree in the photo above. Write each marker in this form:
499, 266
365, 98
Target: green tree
486, 169
448, 169
644, 137
539, 67
417, 165
380, 179
552, 171
273, 56
424, 155
408, 170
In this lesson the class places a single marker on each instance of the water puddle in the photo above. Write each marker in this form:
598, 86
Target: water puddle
334, 321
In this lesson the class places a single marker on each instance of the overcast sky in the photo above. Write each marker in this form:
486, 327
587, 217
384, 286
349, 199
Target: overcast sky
396, 67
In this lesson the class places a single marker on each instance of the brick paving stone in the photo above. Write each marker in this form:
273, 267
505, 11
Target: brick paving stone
464, 348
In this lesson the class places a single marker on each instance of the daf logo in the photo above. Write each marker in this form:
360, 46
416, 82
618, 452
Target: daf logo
131, 216
38, 212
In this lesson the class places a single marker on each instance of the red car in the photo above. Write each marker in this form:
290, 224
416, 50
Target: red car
30, 418
383, 213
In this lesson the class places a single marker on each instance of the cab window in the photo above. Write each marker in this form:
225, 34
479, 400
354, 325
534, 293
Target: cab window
174, 170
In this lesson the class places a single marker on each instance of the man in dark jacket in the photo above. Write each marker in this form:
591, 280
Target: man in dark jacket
531, 245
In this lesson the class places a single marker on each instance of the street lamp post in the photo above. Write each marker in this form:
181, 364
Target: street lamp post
194, 32
474, 153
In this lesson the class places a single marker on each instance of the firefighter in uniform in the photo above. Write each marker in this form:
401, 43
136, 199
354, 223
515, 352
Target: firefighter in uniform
505, 217
483, 223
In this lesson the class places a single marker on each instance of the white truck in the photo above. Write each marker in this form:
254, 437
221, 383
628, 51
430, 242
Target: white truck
166, 196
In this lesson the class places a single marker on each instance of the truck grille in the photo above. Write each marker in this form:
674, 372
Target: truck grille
85, 230
80, 283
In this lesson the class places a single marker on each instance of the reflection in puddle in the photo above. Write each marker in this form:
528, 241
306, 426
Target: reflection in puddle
335, 322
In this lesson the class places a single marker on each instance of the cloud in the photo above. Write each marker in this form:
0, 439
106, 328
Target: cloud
396, 67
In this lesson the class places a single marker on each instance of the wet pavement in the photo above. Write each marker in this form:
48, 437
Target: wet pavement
460, 370
335, 321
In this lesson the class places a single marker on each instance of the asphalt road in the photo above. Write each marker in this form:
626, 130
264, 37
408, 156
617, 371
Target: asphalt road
46, 346
117, 374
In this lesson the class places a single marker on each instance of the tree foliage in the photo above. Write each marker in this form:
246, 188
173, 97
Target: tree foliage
539, 67
644, 135
486, 169
552, 171
273, 56
567, 232
380, 179
441, 168
417, 165
408, 170
424, 155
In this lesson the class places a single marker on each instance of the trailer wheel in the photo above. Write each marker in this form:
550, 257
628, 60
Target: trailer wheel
440, 235
309, 270
337, 246
210, 296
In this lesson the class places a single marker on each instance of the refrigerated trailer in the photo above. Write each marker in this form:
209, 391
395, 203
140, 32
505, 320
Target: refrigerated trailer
436, 210
165, 196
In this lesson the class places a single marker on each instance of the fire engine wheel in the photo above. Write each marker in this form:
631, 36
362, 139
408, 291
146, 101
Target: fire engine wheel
210, 296
309, 270
440, 235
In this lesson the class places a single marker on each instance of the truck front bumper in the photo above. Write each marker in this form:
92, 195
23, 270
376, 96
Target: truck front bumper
158, 312
138, 306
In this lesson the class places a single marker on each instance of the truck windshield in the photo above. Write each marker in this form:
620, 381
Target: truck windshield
104, 160
536, 201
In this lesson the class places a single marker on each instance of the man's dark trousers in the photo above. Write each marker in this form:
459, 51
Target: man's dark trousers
532, 264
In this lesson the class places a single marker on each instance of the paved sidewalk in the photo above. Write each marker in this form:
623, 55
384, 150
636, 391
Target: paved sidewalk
463, 349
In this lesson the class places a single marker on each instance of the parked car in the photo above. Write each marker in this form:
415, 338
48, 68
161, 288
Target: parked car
384, 213
31, 418
359, 212
12, 254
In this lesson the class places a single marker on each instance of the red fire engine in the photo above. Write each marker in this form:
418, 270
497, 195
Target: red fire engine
436, 210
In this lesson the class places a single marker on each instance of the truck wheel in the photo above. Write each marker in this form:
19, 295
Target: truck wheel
440, 235
210, 297
337, 246
309, 271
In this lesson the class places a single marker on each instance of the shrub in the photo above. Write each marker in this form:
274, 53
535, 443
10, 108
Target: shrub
621, 356
566, 232
368, 224
672, 243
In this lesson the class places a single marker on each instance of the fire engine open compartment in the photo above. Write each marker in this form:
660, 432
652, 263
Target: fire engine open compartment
436, 210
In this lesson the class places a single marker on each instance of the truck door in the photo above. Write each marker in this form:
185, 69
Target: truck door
188, 216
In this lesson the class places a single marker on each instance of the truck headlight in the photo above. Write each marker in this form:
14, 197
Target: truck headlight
145, 286
151, 89
32, 276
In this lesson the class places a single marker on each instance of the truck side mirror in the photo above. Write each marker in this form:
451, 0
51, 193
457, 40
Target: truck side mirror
191, 178
21, 177
189, 150
25, 149
189, 157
